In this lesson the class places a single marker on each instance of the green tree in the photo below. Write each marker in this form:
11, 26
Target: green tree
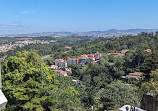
115, 95
30, 85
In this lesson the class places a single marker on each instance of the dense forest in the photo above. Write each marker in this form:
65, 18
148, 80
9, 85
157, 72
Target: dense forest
29, 84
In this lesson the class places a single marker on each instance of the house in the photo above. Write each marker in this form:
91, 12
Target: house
3, 100
116, 54
135, 75
67, 47
91, 57
82, 59
61, 72
72, 60
68, 70
148, 50
84, 55
76, 81
54, 66
120, 54
61, 62
124, 51
57, 61
57, 71
97, 55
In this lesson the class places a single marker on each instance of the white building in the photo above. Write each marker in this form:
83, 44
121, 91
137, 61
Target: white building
54, 67
3, 100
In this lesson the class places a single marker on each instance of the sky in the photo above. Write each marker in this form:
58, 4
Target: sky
32, 16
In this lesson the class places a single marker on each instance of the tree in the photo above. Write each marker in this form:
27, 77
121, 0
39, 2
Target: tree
116, 95
150, 63
151, 86
27, 89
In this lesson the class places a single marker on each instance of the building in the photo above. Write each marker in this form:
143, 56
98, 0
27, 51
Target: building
120, 54
68, 70
97, 55
135, 75
57, 71
82, 59
91, 57
61, 72
61, 62
67, 47
72, 60
3, 100
54, 66
124, 51
148, 50
116, 54
76, 81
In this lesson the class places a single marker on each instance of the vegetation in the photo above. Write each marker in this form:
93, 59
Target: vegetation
29, 84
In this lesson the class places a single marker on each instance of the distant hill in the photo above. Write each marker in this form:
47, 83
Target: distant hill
107, 33
126, 31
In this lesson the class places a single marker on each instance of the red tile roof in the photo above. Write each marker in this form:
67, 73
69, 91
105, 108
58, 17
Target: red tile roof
116, 54
129, 76
90, 55
121, 54
113, 53
148, 50
82, 57
64, 73
124, 51
136, 73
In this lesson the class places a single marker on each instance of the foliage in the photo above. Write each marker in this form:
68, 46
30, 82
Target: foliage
115, 95
30, 85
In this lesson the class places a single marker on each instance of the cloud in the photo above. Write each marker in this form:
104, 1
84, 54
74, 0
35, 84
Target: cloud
14, 27
25, 12
10, 25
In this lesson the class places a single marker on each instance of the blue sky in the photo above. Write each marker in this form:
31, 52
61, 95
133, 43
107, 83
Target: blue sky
28, 16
